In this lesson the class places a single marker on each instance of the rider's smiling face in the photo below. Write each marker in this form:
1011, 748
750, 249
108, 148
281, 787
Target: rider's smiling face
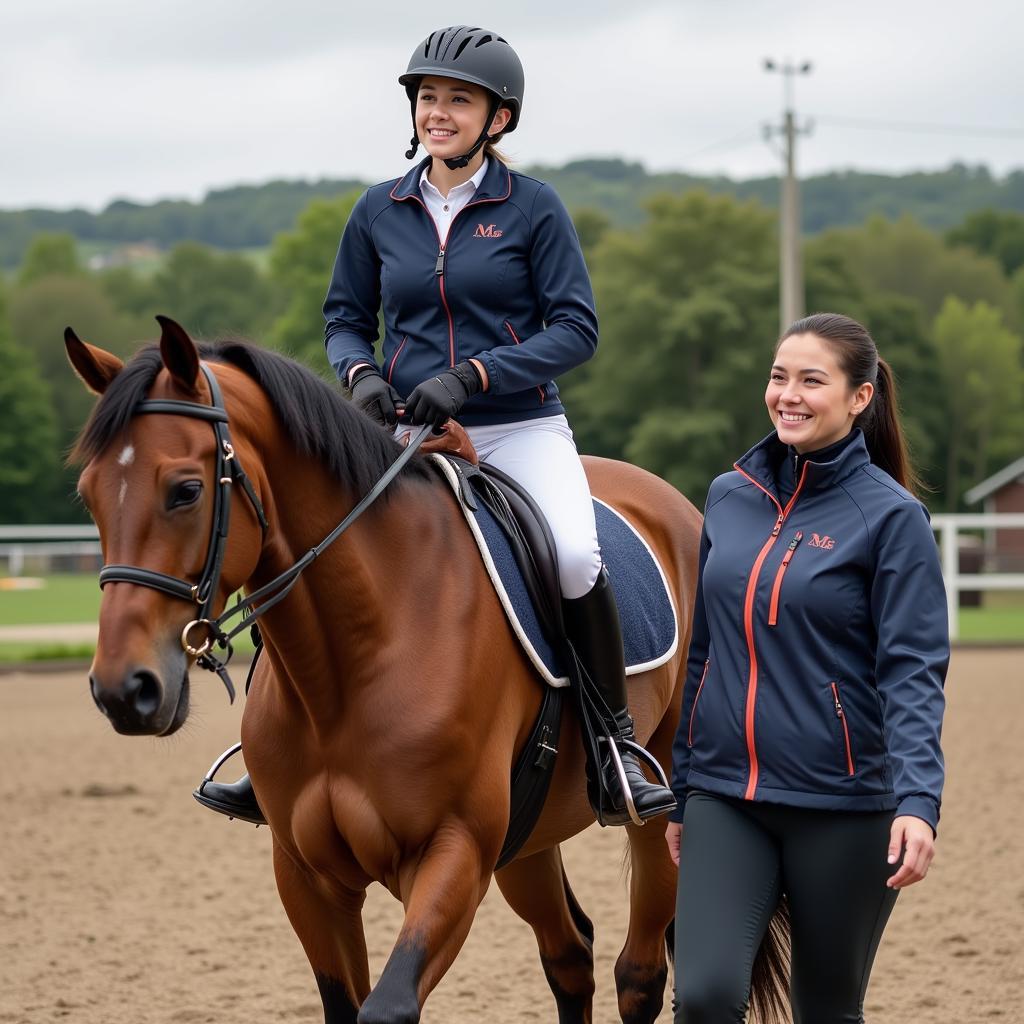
450, 115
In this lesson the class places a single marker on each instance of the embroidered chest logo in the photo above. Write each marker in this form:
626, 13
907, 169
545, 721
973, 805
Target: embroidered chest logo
818, 541
487, 232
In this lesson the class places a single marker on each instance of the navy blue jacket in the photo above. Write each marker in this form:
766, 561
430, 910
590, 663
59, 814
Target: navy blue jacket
820, 641
509, 287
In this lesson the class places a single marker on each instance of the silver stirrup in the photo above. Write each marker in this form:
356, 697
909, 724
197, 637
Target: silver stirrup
627, 793
219, 763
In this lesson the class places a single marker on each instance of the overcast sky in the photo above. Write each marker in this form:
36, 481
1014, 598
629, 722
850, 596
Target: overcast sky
145, 99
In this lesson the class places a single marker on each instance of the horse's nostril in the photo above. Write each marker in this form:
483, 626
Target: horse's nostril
143, 692
95, 694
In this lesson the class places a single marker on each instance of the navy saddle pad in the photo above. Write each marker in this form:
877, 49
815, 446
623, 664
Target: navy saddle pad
650, 631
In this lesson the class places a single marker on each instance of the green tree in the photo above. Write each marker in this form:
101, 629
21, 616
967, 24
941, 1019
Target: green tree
982, 373
50, 254
29, 463
591, 226
688, 314
41, 310
993, 233
300, 267
212, 293
905, 258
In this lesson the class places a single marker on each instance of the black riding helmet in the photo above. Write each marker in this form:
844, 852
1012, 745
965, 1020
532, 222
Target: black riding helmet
470, 55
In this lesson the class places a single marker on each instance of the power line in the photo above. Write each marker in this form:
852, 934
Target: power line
923, 127
744, 138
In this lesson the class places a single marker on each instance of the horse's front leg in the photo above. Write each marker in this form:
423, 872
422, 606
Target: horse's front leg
331, 933
441, 894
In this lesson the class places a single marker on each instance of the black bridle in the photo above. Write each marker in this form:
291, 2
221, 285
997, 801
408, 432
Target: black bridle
204, 593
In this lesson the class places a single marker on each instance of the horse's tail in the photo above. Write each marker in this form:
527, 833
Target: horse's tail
769, 981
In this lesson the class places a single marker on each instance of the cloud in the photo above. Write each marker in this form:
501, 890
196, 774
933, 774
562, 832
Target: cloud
114, 98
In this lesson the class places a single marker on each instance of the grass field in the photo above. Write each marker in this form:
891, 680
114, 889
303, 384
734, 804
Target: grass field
74, 599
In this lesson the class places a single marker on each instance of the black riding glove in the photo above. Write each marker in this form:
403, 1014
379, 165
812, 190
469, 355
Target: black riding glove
375, 396
441, 397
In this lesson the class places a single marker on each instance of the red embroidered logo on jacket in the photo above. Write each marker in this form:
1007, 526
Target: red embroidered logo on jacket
487, 232
826, 542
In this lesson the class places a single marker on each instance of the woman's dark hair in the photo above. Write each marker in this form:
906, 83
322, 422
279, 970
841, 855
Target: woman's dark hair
859, 360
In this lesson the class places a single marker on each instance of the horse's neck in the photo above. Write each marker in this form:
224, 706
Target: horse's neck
331, 633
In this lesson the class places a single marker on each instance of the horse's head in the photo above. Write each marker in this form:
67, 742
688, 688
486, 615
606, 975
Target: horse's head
155, 481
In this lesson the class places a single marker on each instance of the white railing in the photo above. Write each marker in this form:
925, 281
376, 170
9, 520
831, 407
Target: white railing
948, 527
17, 542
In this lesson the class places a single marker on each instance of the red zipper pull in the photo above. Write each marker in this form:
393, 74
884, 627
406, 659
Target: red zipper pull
778, 525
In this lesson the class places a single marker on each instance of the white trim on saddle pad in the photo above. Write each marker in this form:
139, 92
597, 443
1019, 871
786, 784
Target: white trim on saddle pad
646, 666
506, 602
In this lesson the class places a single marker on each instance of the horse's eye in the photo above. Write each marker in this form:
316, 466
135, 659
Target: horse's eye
186, 493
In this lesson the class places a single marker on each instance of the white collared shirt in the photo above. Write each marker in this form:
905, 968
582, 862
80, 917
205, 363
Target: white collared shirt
444, 208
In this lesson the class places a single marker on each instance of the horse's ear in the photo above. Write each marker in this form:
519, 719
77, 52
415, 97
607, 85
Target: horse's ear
179, 353
96, 367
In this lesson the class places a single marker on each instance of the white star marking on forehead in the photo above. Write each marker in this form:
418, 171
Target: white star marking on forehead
127, 457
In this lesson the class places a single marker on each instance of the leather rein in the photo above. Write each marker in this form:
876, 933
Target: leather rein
204, 593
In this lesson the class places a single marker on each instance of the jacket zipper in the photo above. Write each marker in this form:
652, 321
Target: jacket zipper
439, 262
515, 338
693, 710
394, 358
773, 610
841, 715
748, 622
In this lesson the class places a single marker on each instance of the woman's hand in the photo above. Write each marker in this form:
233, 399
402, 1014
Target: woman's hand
674, 836
440, 398
913, 837
375, 396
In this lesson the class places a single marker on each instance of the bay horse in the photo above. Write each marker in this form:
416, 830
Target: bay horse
393, 697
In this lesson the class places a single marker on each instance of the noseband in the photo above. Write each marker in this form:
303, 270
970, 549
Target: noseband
204, 593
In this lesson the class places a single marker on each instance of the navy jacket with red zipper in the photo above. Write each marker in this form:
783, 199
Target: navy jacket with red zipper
509, 287
820, 640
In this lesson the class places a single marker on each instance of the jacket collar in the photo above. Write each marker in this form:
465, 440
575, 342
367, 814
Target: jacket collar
496, 184
763, 461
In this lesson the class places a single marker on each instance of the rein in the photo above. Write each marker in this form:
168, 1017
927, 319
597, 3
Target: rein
203, 593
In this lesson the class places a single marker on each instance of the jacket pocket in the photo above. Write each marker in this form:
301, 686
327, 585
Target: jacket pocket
773, 609
515, 338
394, 358
693, 710
841, 715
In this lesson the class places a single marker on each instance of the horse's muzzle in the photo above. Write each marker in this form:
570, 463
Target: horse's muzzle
140, 705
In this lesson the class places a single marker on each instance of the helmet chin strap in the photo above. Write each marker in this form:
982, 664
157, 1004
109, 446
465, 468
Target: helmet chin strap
455, 163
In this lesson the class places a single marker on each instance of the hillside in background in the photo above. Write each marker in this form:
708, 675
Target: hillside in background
249, 216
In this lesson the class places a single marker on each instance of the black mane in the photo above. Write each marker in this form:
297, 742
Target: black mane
319, 421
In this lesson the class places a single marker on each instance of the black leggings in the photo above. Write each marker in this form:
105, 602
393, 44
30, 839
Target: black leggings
737, 858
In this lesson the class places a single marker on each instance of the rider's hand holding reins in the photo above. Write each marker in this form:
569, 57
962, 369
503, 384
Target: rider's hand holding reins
375, 396
440, 398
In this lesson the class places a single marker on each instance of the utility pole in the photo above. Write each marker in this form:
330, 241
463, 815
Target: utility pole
791, 276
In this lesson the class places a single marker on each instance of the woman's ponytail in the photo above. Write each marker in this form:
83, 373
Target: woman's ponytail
883, 431
859, 360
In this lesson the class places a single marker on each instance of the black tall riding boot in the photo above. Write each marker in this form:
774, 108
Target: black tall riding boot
592, 623
235, 799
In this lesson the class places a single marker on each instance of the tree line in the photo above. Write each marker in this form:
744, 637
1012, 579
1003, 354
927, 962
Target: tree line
251, 216
688, 308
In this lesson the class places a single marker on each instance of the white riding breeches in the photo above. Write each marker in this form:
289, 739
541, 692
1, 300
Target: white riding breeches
541, 455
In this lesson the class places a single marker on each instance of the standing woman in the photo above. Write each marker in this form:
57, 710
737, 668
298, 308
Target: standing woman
485, 300
807, 762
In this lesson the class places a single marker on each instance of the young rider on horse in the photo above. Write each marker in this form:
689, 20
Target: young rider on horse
486, 299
